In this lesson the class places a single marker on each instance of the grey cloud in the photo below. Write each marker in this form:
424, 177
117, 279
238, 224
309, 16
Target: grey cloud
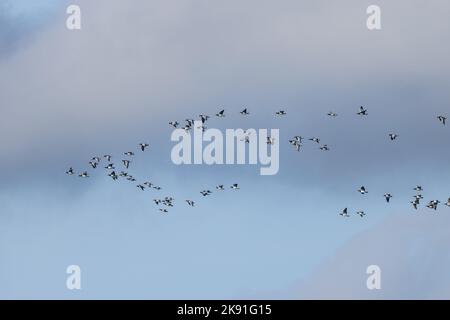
410, 250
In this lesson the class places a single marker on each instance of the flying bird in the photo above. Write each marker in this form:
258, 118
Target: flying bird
362, 111
433, 204
387, 196
448, 203
418, 188
235, 186
363, 190
270, 140
140, 186
361, 213
244, 112
316, 140
93, 164
129, 153
442, 119
296, 144
126, 163
280, 113
70, 171
190, 202
246, 139
143, 146
332, 114
83, 175
95, 159
324, 148
415, 203
220, 187
163, 210
344, 213
205, 193
107, 157
204, 117
110, 166
221, 114
393, 136
174, 124
113, 175
123, 174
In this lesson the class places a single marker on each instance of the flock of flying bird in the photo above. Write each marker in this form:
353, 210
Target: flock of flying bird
432, 204
167, 201
296, 142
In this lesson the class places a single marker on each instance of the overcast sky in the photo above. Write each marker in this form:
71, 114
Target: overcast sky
66, 96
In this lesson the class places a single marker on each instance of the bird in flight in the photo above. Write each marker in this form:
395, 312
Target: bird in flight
415, 203
344, 213
270, 140
280, 113
220, 187
448, 203
70, 171
110, 166
221, 114
163, 210
363, 190
140, 186
107, 157
362, 111
387, 196
174, 124
113, 175
95, 159
442, 119
93, 164
126, 163
324, 148
205, 193
316, 140
244, 112
332, 114
190, 203
235, 186
295, 143
393, 136
418, 188
433, 204
187, 128
204, 117
361, 213
143, 146
129, 153
83, 175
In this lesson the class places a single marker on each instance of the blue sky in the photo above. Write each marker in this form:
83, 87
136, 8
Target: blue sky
69, 95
